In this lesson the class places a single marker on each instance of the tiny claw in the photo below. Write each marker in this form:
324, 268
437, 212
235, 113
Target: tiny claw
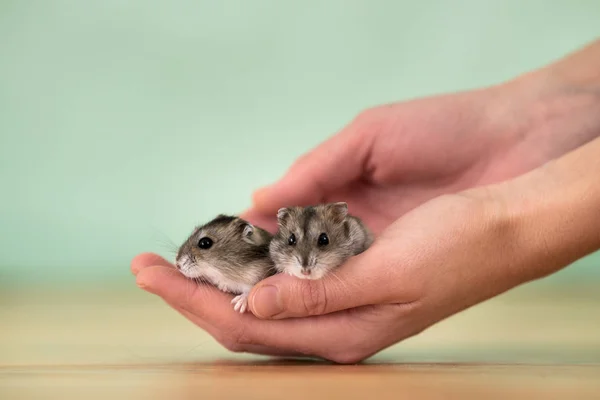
241, 302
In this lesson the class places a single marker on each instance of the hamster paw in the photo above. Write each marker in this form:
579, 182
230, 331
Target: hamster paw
241, 302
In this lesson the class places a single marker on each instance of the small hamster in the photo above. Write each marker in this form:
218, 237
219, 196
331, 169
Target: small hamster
229, 253
312, 241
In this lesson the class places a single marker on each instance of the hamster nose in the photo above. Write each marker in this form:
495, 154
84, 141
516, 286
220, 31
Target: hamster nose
305, 271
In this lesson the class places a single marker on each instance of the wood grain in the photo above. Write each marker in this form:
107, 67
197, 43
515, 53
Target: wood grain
539, 341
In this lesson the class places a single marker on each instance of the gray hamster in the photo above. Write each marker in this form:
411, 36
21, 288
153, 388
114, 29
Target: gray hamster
229, 253
312, 241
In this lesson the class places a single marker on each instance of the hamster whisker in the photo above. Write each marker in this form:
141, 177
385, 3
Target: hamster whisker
202, 283
167, 243
334, 275
171, 248
195, 347
199, 284
345, 285
270, 272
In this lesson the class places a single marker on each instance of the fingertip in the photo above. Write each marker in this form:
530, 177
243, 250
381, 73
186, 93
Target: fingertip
151, 278
145, 260
251, 215
283, 296
285, 193
268, 299
282, 194
260, 197
144, 278
264, 302
262, 220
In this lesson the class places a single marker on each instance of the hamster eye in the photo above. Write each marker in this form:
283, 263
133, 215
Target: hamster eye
205, 243
323, 239
292, 240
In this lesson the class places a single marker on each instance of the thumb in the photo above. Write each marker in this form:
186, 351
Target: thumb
357, 283
315, 175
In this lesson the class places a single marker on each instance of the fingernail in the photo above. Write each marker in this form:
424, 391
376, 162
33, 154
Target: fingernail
141, 283
265, 303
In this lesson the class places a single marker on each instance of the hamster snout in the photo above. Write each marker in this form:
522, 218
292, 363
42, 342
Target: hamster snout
313, 241
187, 266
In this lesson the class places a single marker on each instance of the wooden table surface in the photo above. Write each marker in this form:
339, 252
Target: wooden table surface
537, 341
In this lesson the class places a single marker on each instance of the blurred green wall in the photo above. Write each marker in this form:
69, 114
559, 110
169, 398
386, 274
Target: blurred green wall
124, 123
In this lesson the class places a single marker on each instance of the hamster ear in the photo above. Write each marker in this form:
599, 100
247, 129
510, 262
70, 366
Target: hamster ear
282, 214
248, 230
247, 233
338, 211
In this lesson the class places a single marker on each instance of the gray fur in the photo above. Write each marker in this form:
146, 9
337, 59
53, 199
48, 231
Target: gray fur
237, 260
347, 237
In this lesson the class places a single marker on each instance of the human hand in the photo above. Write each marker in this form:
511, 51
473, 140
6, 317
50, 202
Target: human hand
446, 255
455, 251
392, 158
442, 257
415, 274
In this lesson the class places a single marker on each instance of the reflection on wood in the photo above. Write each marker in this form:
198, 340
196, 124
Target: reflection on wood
534, 342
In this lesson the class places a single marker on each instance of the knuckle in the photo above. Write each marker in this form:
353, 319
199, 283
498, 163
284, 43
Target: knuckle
368, 122
303, 162
234, 341
365, 116
314, 297
298, 164
232, 345
347, 357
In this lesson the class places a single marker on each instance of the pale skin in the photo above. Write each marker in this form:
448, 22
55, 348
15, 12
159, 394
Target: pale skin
470, 195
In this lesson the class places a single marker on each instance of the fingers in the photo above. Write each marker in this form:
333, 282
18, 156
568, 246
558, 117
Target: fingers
159, 280
359, 282
230, 344
146, 260
323, 170
327, 336
267, 222
202, 300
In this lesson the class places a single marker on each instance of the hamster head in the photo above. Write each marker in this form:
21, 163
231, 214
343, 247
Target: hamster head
311, 241
227, 248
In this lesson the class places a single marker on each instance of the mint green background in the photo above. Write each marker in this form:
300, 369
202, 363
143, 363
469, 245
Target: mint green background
124, 123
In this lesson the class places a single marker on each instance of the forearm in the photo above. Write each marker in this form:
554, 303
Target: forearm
555, 108
578, 71
554, 212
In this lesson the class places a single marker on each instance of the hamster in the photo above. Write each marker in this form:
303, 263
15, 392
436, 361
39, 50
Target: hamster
229, 253
312, 241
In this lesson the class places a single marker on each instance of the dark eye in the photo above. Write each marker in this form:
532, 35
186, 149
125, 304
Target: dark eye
323, 239
292, 240
205, 243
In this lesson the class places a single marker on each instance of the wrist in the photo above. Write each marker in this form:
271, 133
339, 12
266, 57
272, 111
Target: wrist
578, 71
546, 113
559, 105
552, 213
